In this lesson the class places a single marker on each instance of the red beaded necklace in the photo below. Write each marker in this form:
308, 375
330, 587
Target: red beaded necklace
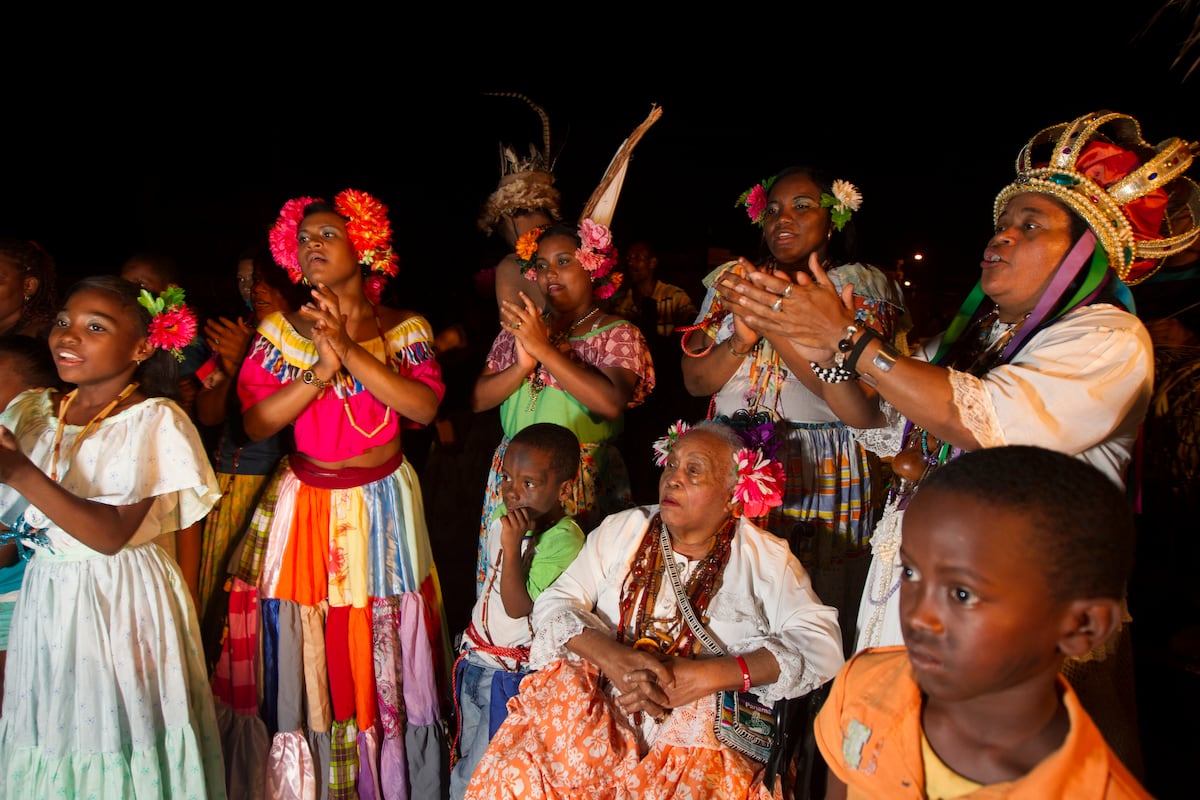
645, 579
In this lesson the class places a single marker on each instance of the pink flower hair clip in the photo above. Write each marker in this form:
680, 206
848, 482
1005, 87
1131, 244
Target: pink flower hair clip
755, 200
663, 445
598, 256
172, 322
759, 483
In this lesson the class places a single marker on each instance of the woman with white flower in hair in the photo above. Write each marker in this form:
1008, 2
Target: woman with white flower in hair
759, 380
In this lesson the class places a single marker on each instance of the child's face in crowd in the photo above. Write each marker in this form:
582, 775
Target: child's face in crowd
95, 338
526, 481
145, 276
976, 613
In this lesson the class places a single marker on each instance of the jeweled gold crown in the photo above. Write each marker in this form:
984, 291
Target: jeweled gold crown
1133, 195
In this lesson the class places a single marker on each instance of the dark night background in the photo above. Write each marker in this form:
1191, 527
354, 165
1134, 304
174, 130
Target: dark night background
190, 145
185, 129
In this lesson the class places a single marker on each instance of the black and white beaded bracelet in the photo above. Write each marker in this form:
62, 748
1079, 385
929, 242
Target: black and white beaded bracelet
831, 374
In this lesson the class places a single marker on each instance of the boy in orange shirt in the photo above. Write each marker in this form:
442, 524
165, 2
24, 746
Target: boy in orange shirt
1013, 559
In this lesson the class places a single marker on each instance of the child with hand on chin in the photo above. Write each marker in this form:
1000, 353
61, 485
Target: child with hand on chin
1013, 559
530, 541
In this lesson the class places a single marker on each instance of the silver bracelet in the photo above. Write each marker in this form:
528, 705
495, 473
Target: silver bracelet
831, 374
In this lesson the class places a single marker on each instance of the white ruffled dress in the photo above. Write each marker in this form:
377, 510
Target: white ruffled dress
106, 691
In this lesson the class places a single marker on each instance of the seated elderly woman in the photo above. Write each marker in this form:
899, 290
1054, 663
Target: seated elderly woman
625, 692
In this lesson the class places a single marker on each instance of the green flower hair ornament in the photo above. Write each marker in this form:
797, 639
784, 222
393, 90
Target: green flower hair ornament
172, 324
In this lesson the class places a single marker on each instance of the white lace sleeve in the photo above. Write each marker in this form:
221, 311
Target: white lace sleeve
975, 408
884, 441
549, 643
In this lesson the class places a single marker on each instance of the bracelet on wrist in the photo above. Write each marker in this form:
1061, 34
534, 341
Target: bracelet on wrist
729, 343
831, 374
845, 345
741, 662
865, 338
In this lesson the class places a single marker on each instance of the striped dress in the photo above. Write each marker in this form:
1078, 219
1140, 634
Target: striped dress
336, 600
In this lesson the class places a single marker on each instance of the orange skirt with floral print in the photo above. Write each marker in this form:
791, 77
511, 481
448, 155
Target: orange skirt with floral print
565, 737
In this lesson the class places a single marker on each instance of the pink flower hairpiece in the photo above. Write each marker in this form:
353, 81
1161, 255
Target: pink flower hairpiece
284, 236
367, 227
760, 482
172, 323
598, 256
755, 200
663, 445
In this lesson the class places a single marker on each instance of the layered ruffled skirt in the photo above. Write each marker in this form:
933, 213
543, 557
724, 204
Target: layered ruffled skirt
336, 632
106, 693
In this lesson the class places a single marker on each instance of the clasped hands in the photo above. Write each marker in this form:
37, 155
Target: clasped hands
329, 333
809, 311
527, 326
654, 683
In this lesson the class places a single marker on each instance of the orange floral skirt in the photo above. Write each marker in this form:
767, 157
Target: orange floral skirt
565, 737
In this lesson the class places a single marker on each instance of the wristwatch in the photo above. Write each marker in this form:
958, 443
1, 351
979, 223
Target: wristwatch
312, 380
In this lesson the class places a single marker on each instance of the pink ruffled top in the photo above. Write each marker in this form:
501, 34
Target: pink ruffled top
324, 430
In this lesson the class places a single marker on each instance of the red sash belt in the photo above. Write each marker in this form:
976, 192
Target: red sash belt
345, 477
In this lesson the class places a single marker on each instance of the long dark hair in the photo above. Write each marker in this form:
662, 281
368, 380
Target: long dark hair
158, 374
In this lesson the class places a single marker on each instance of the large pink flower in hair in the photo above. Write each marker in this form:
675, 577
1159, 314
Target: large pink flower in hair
284, 236
594, 236
759, 483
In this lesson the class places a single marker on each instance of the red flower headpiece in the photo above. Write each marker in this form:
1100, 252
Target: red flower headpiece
367, 226
760, 482
172, 322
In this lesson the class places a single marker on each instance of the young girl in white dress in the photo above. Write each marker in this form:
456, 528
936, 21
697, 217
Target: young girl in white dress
106, 691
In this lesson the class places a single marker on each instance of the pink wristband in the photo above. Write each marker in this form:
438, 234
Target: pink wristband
745, 673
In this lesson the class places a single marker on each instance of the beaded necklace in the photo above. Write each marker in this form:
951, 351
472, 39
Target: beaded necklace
91, 425
344, 384
644, 580
536, 380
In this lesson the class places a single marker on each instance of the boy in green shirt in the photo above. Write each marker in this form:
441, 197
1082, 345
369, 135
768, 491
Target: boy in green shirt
530, 541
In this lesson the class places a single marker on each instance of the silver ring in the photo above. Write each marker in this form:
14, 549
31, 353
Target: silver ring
778, 305
516, 325
788, 291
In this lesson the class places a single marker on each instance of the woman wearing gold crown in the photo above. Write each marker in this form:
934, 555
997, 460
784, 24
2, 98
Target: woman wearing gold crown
1045, 350
337, 561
